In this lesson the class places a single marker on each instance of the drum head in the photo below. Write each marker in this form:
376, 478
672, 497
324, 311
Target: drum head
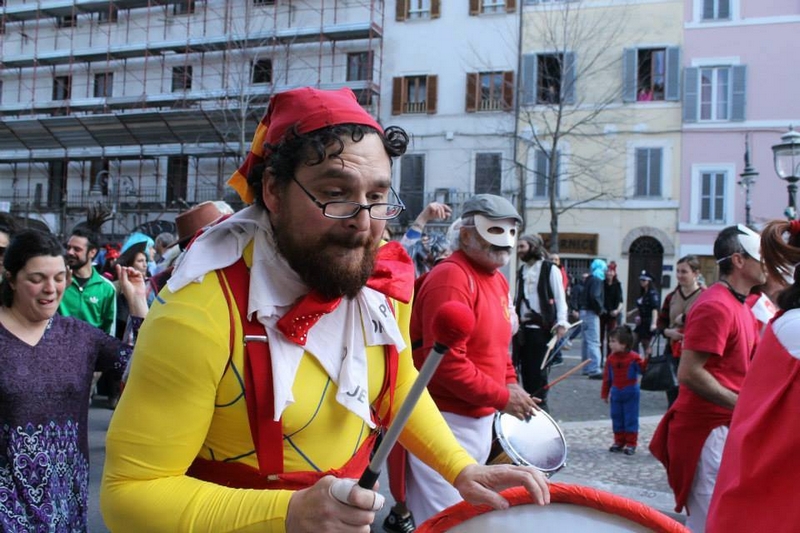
574, 508
535, 442
559, 517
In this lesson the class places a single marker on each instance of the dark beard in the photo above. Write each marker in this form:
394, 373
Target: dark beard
322, 270
75, 263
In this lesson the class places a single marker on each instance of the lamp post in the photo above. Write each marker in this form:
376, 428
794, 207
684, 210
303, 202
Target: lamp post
787, 166
748, 176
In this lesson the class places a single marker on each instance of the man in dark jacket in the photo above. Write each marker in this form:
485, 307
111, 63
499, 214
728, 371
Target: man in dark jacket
591, 307
541, 305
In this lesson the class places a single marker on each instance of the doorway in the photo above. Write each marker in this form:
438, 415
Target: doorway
645, 253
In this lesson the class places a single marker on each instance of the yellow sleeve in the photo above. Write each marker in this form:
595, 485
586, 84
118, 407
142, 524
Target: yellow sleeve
427, 434
163, 419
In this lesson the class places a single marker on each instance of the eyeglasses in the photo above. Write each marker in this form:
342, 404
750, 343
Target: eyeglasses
341, 209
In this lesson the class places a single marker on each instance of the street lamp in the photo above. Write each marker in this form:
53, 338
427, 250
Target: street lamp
749, 176
787, 166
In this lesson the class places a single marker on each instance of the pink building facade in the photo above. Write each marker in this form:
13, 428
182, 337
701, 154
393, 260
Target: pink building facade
741, 68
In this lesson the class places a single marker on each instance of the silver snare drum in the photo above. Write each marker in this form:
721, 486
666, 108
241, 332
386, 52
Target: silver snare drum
536, 442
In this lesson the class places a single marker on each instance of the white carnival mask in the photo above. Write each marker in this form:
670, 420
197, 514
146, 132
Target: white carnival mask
499, 232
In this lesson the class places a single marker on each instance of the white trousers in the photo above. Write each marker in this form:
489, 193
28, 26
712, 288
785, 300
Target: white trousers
705, 478
427, 492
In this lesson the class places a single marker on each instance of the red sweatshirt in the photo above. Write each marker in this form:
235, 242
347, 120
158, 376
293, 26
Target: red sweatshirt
473, 376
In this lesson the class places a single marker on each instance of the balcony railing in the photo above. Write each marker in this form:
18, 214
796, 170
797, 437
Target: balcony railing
142, 199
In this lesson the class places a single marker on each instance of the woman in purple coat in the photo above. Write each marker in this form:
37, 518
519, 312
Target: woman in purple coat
47, 362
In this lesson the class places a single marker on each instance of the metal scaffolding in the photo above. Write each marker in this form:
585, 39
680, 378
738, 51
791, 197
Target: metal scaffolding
165, 94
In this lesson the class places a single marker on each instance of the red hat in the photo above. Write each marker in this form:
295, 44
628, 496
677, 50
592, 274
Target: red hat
306, 109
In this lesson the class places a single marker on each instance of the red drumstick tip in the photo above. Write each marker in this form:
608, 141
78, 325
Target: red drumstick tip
453, 323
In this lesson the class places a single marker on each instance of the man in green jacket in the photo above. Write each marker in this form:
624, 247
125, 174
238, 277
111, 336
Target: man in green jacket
89, 297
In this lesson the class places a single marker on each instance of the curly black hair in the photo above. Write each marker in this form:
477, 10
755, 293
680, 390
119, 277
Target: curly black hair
310, 149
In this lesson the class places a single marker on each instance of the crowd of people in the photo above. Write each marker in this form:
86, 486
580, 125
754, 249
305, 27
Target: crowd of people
281, 340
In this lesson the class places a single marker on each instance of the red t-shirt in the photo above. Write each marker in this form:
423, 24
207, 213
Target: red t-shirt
472, 377
719, 324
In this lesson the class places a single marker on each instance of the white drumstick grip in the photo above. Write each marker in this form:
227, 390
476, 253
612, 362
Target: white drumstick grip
341, 489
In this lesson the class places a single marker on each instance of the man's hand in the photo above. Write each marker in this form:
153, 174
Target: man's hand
434, 211
133, 288
560, 331
479, 484
316, 509
520, 404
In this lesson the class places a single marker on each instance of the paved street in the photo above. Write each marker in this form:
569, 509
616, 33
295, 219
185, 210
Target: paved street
581, 414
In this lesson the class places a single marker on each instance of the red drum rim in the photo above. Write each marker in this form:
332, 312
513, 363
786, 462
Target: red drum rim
606, 502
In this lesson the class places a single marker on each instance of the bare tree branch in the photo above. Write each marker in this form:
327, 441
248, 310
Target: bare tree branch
576, 56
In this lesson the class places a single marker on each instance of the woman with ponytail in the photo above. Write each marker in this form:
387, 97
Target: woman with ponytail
756, 485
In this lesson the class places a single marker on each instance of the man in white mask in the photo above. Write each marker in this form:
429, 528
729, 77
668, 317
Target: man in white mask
476, 378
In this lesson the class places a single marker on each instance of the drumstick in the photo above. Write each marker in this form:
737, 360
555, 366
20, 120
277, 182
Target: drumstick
452, 323
566, 374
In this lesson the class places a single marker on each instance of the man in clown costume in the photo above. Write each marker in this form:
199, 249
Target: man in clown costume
280, 346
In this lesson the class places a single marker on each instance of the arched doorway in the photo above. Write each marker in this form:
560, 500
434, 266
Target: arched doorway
645, 253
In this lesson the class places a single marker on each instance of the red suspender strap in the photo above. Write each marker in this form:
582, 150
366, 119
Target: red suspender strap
267, 433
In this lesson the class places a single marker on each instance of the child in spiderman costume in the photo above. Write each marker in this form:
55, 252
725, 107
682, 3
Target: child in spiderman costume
621, 384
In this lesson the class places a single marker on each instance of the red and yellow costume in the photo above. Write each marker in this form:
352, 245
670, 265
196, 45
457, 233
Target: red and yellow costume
186, 400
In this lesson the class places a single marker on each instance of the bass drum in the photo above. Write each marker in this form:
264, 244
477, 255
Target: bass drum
573, 509
536, 442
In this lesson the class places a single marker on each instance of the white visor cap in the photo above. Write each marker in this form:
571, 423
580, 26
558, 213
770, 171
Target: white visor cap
750, 241
497, 231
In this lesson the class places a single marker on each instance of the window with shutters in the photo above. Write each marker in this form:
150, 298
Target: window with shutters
414, 95
103, 84
478, 7
62, 87
359, 66
490, 91
412, 184
541, 174
712, 197
715, 93
651, 74
648, 174
716, 9
262, 71
181, 78
417, 9
488, 173
548, 79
